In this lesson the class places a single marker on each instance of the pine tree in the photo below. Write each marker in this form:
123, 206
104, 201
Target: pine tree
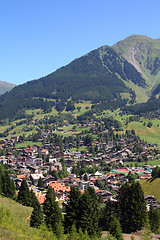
89, 212
72, 209
73, 233
8, 187
154, 219
40, 183
132, 207
115, 228
37, 215
24, 196
52, 212
1, 176
33, 198
107, 214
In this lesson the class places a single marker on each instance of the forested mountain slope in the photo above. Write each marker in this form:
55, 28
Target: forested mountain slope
97, 76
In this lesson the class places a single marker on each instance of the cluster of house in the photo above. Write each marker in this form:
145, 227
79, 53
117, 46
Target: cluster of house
28, 165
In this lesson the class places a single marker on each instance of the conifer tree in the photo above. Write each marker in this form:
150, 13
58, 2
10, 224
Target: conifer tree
72, 209
115, 228
52, 212
8, 187
1, 176
132, 207
40, 183
107, 214
89, 212
37, 215
154, 219
24, 196
33, 198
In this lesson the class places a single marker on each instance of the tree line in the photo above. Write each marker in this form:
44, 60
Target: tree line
85, 213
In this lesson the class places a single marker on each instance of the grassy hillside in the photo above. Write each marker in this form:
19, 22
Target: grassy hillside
144, 54
151, 187
5, 86
14, 222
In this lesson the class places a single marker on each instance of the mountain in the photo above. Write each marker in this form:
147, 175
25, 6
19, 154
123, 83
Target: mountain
101, 75
5, 86
144, 54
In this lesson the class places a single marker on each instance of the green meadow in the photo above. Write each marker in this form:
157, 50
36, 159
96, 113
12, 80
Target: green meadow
151, 187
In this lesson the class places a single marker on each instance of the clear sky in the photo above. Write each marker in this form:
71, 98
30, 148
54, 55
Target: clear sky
39, 36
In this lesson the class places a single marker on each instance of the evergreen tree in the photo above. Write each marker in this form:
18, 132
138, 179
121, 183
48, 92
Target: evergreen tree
115, 228
107, 214
132, 207
52, 212
33, 198
89, 212
154, 219
1, 176
72, 209
40, 183
24, 196
73, 233
37, 215
8, 187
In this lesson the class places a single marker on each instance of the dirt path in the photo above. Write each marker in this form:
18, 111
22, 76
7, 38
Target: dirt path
27, 220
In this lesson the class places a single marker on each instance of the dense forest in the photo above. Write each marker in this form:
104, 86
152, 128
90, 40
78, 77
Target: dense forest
99, 76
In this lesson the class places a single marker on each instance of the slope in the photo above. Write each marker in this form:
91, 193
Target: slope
5, 86
144, 54
98, 76
14, 223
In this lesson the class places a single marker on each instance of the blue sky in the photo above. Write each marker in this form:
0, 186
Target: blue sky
40, 36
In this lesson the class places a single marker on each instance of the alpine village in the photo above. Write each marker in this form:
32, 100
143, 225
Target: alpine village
80, 148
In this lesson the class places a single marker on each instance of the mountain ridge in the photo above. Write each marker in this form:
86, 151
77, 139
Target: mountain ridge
144, 53
5, 86
102, 75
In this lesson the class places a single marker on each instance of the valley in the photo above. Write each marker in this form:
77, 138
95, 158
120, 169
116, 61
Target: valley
92, 126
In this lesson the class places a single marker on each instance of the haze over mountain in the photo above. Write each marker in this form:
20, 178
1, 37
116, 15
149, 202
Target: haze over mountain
5, 86
129, 69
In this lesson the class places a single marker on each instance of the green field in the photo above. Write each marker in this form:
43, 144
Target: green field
151, 187
150, 135
14, 223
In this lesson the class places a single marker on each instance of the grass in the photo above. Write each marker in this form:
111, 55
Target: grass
28, 143
141, 164
151, 187
15, 225
151, 135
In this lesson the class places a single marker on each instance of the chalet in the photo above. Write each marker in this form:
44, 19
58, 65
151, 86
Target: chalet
35, 177
15, 138
58, 166
45, 151
150, 199
46, 180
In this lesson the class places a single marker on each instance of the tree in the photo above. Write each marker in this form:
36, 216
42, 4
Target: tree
132, 207
37, 215
149, 124
24, 196
115, 228
89, 212
107, 214
154, 219
40, 183
52, 212
8, 187
85, 177
72, 209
